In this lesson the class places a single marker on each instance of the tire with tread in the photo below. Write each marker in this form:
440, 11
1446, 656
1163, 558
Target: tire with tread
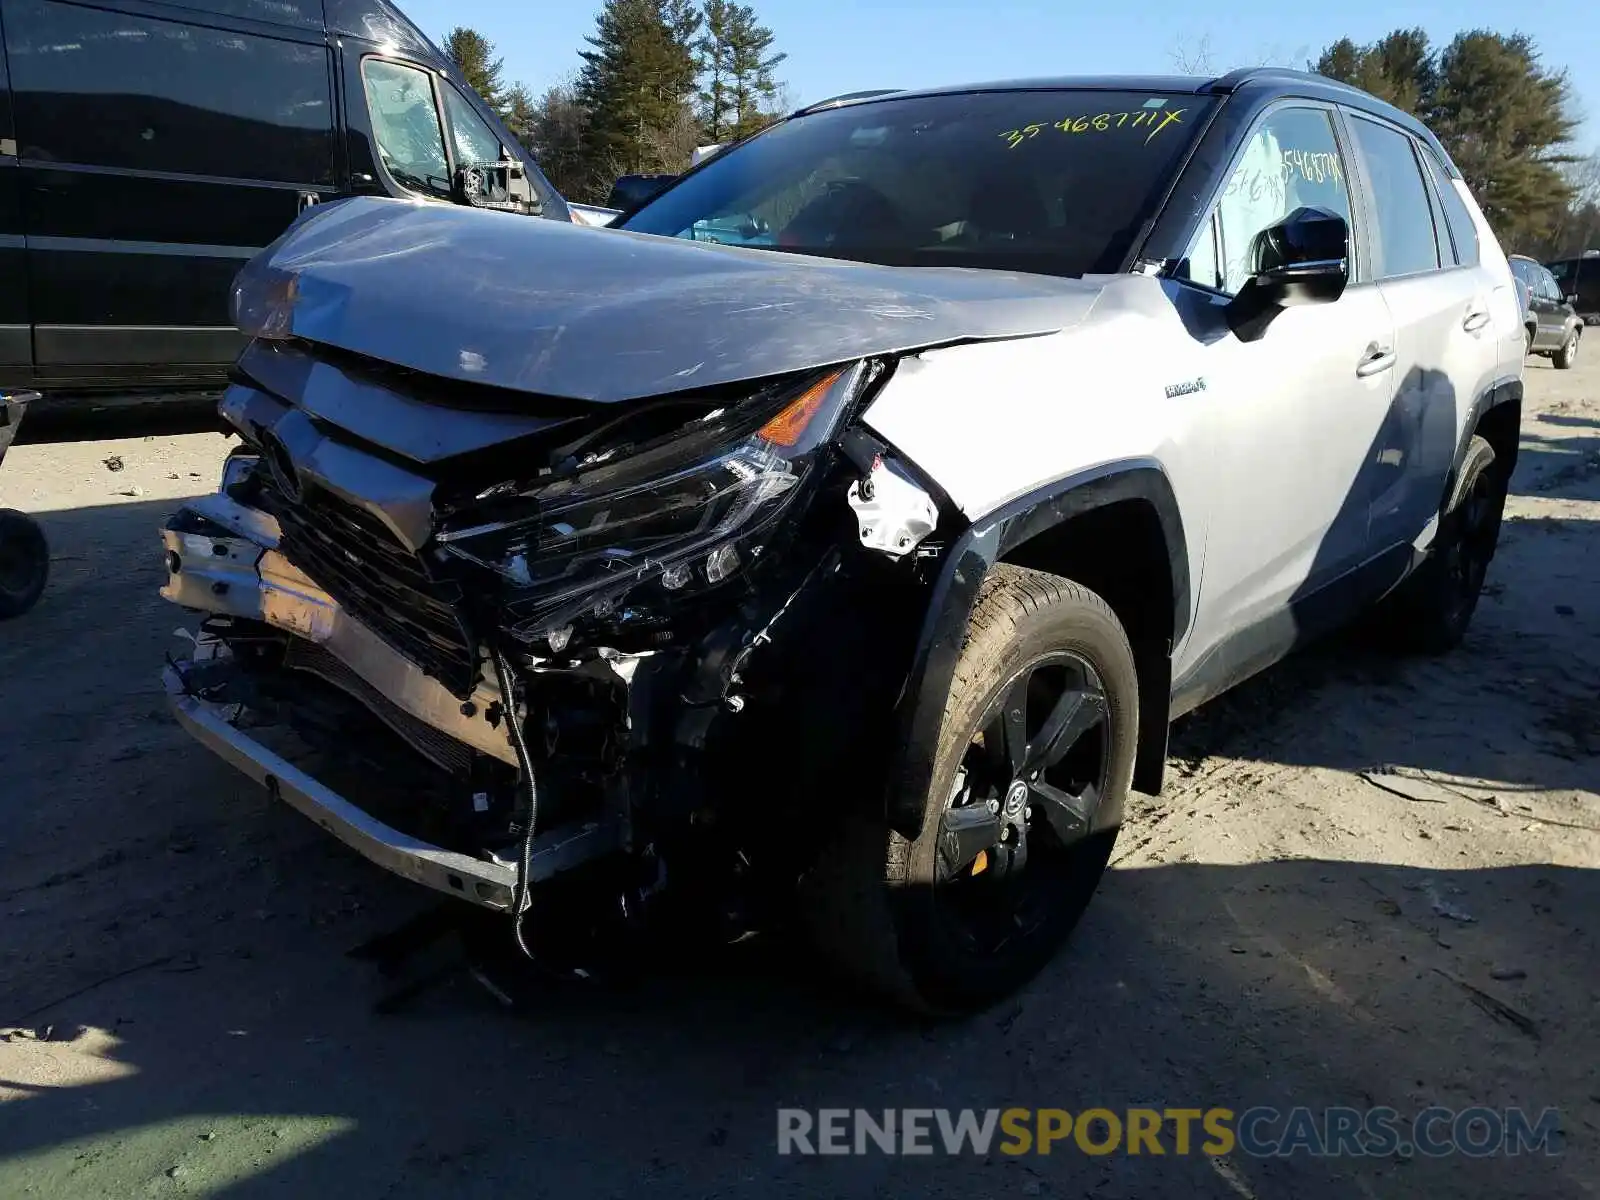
1430, 612
868, 903
1566, 357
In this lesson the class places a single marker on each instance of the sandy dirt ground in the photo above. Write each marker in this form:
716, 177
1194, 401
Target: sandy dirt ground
1369, 882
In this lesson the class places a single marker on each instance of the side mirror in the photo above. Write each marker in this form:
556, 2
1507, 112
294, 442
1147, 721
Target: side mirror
501, 186
1303, 259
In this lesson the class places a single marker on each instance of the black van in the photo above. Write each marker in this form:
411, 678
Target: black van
148, 149
1579, 280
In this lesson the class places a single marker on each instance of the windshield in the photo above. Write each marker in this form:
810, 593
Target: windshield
1056, 182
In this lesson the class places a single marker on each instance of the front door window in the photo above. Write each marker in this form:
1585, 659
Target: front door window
406, 130
1291, 161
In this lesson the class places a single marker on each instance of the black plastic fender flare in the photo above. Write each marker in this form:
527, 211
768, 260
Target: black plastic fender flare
1502, 391
920, 709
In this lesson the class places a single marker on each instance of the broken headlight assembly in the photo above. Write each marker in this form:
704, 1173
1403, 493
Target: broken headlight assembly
677, 515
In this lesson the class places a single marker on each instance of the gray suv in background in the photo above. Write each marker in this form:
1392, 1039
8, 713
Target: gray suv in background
1552, 324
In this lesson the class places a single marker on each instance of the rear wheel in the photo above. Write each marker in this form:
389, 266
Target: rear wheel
1433, 608
1037, 743
24, 563
1567, 356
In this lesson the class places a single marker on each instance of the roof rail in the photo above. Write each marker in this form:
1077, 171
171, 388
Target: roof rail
1240, 76
834, 101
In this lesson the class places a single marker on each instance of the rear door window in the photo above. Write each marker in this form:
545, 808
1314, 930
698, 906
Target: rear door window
405, 126
1405, 237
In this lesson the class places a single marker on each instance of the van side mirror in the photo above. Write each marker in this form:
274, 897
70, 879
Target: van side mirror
502, 186
1303, 259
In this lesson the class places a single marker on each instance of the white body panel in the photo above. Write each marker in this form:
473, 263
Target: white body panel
1307, 452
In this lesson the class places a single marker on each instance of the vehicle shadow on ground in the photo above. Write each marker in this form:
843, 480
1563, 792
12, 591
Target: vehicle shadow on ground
1290, 983
1293, 982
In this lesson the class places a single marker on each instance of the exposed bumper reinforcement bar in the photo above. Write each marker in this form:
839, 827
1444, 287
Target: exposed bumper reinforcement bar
490, 883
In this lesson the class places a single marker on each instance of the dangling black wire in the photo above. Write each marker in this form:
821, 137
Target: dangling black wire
502, 669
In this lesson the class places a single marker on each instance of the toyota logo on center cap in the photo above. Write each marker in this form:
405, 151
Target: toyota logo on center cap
281, 465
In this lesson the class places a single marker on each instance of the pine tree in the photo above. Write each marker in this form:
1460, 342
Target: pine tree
1502, 116
474, 55
636, 84
711, 60
752, 85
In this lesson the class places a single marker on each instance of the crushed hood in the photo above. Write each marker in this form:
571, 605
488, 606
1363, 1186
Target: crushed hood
601, 315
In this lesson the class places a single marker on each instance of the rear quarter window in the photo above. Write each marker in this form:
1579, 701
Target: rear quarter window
1463, 233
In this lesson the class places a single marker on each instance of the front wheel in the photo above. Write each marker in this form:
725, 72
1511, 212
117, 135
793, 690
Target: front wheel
1566, 357
1035, 750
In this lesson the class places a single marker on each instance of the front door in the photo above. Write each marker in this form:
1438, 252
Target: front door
157, 155
1293, 416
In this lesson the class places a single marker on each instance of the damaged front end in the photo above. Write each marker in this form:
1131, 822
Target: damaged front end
649, 649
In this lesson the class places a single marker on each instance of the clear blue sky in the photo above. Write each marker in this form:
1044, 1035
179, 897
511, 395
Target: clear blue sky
843, 45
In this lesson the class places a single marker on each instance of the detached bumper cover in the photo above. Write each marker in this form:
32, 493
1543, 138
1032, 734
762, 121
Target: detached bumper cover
487, 882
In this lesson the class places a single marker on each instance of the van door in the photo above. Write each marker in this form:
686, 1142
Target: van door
410, 122
16, 338
157, 155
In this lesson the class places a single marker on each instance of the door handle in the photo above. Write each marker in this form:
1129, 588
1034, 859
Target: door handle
1476, 319
1376, 360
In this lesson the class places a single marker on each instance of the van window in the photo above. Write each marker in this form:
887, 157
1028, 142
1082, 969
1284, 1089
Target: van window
305, 13
405, 126
112, 89
474, 140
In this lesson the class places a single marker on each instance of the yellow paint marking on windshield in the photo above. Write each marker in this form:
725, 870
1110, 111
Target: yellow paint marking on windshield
1154, 120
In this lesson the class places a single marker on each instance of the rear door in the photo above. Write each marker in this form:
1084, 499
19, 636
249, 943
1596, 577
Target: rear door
157, 154
16, 342
1446, 337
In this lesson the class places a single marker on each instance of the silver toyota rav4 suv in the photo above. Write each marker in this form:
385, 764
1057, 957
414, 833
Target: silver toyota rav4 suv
848, 578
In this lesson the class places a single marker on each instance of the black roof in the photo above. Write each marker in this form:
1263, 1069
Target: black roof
1269, 80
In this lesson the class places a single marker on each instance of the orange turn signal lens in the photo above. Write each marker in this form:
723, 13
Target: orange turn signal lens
789, 426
